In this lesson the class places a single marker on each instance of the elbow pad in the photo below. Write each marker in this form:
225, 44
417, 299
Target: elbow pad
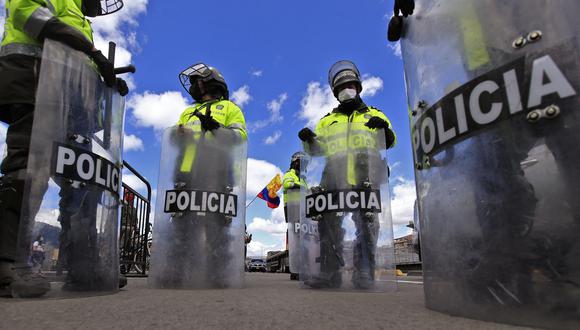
57, 30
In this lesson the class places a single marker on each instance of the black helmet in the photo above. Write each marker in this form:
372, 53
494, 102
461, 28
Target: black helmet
300, 157
343, 72
212, 79
93, 8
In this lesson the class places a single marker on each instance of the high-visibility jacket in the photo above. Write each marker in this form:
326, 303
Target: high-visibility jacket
289, 183
225, 112
25, 19
333, 141
20, 51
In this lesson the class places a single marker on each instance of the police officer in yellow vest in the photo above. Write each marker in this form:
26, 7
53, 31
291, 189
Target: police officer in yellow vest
292, 182
345, 81
28, 23
213, 117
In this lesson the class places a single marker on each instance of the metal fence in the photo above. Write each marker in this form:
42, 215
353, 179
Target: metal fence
135, 236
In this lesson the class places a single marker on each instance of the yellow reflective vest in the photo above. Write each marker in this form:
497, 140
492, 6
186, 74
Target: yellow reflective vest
25, 19
225, 112
289, 182
332, 139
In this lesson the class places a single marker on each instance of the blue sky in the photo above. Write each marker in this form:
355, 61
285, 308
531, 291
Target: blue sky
275, 57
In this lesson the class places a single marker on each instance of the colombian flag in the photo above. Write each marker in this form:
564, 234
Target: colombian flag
269, 193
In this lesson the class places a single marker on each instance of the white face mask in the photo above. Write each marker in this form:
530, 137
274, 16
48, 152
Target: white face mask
346, 94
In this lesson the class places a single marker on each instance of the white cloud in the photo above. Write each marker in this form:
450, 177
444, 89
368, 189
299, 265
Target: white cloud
274, 107
260, 173
396, 48
259, 249
158, 111
273, 138
135, 183
49, 216
319, 99
403, 201
268, 226
241, 96
275, 225
111, 26
132, 142
257, 73
371, 85
317, 102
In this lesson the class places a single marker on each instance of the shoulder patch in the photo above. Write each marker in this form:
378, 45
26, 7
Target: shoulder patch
219, 107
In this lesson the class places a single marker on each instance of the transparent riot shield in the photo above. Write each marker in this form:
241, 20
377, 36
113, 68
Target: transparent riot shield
198, 241
293, 217
73, 178
346, 233
493, 91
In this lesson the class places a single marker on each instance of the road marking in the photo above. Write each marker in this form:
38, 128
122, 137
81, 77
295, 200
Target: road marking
406, 281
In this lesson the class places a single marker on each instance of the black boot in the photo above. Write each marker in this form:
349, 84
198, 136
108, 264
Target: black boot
21, 282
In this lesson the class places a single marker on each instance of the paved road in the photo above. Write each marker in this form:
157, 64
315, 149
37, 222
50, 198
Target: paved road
269, 301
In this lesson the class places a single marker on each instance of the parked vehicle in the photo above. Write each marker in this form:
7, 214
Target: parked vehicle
257, 265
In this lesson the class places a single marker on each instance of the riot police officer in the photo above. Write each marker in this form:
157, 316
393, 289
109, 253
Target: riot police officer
345, 81
28, 24
292, 182
213, 117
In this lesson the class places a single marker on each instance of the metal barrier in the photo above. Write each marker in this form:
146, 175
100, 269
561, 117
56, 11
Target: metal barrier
134, 238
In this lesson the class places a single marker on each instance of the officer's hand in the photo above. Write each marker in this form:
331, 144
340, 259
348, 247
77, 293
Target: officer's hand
395, 28
377, 122
105, 67
406, 7
306, 135
122, 87
208, 123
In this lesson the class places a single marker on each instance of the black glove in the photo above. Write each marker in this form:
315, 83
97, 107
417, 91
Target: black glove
306, 135
122, 87
208, 123
406, 7
377, 122
105, 67
395, 28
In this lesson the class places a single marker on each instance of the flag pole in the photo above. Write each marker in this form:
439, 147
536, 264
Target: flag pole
250, 203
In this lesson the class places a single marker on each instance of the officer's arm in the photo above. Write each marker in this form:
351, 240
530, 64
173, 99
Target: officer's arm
390, 136
36, 19
236, 122
289, 183
315, 148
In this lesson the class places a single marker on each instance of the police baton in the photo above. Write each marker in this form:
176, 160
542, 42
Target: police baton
109, 96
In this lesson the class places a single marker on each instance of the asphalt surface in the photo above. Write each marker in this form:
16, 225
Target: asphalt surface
269, 301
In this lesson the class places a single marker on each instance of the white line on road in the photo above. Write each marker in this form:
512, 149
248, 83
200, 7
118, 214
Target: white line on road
406, 281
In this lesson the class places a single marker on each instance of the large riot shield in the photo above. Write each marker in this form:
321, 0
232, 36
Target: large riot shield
346, 231
293, 218
493, 91
73, 177
198, 241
